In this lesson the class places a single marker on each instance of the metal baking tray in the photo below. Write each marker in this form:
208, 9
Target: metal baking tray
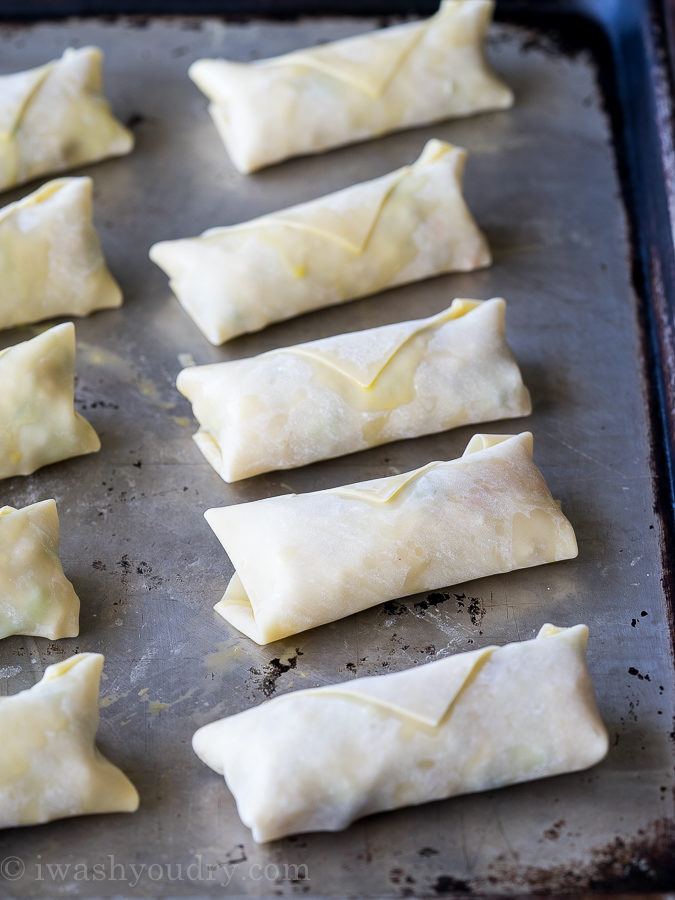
573, 188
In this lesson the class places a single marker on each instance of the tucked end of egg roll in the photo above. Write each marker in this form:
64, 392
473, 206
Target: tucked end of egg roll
470, 722
303, 560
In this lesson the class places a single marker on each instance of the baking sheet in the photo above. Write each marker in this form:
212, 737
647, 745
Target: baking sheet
542, 183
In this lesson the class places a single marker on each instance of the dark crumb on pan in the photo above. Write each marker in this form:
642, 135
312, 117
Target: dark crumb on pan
395, 875
633, 671
273, 671
553, 833
432, 599
447, 884
474, 606
97, 404
134, 119
236, 855
394, 608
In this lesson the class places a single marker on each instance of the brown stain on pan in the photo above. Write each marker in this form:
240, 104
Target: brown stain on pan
623, 867
642, 863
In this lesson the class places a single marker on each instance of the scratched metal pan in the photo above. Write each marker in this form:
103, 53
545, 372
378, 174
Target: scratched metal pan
570, 189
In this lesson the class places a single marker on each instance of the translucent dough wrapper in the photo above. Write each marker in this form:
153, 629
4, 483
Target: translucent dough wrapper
38, 422
302, 560
49, 765
353, 89
36, 598
51, 262
315, 760
300, 404
410, 224
55, 117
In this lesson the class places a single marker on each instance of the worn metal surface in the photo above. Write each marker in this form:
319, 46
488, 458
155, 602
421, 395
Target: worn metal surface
542, 182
